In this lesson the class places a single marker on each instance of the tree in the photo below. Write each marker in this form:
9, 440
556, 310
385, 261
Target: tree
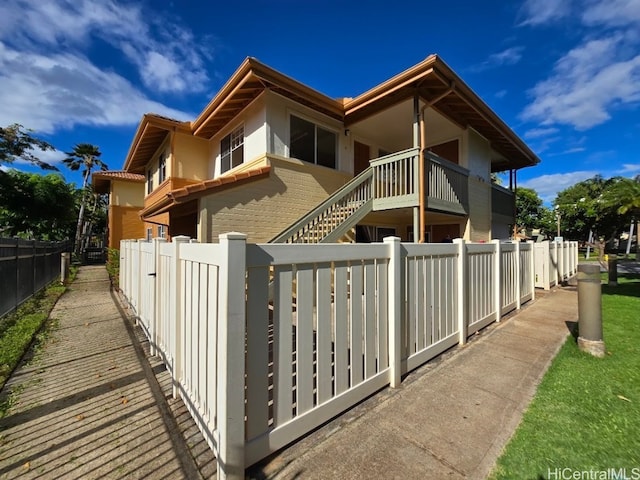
583, 208
625, 196
529, 208
87, 157
37, 206
589, 206
16, 142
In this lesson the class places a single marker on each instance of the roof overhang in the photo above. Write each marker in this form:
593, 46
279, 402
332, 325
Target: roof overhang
187, 194
152, 131
101, 181
246, 84
439, 87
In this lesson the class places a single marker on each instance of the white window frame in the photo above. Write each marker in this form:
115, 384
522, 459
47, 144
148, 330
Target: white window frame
149, 181
162, 167
236, 141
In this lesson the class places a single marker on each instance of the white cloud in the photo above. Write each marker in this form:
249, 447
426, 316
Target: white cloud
548, 186
582, 96
47, 92
629, 169
509, 56
612, 12
166, 54
540, 132
537, 12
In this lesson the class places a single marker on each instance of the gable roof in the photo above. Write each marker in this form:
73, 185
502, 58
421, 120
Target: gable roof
432, 80
248, 81
440, 87
151, 132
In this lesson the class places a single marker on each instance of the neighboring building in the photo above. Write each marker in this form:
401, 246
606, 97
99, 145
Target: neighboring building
267, 150
126, 198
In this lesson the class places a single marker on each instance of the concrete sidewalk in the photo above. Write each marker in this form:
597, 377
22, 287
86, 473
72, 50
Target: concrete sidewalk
88, 406
450, 418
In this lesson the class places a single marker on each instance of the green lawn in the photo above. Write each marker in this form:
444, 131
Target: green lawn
19, 329
586, 413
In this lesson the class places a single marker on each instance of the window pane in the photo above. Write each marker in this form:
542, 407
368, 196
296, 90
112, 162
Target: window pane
237, 156
302, 140
225, 162
225, 154
326, 148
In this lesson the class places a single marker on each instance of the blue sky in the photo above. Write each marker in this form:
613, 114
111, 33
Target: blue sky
564, 74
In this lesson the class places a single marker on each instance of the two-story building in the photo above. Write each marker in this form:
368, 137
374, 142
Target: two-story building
279, 161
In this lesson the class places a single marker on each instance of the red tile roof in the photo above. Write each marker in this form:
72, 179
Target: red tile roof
197, 190
204, 187
119, 175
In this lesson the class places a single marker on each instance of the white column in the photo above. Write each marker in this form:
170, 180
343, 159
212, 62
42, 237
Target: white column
462, 290
496, 278
532, 270
394, 305
231, 361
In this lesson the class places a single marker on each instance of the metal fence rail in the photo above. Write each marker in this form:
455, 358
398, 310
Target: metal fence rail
26, 267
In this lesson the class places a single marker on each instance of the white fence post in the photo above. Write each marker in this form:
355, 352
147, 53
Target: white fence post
156, 297
123, 266
496, 278
176, 321
462, 290
518, 272
231, 356
394, 305
532, 270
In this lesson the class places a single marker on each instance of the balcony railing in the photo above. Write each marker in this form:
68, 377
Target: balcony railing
447, 185
395, 180
502, 206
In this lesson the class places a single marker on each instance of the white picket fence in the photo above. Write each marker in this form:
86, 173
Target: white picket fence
555, 262
267, 342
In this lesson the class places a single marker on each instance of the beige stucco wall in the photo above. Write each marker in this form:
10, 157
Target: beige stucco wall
479, 224
263, 208
190, 157
253, 118
279, 109
127, 194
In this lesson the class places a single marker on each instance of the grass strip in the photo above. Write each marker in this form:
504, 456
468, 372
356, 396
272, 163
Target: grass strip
19, 329
585, 416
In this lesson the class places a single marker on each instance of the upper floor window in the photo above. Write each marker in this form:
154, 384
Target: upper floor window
162, 167
149, 181
312, 143
232, 150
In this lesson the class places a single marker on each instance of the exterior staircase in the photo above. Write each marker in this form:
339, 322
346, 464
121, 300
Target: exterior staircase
334, 217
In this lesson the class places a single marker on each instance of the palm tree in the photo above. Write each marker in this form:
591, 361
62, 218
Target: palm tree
87, 157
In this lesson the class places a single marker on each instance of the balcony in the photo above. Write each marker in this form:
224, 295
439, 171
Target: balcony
502, 206
396, 183
446, 185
